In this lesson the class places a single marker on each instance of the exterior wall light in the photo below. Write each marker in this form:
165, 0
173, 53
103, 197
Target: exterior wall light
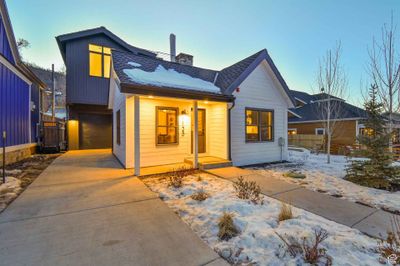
184, 118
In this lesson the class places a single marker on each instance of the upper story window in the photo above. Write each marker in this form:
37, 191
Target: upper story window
259, 125
99, 61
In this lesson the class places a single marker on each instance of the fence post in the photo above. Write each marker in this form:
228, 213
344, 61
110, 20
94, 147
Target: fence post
4, 157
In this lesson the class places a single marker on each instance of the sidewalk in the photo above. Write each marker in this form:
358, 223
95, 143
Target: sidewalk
84, 209
371, 221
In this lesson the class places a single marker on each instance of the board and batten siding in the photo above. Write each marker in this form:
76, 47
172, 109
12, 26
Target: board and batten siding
259, 90
15, 114
81, 87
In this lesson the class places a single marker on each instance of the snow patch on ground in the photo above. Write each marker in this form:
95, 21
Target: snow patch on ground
170, 78
328, 178
9, 190
258, 241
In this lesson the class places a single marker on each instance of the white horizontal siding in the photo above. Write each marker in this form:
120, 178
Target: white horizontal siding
119, 150
259, 90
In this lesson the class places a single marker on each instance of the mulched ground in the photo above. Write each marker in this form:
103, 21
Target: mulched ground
26, 171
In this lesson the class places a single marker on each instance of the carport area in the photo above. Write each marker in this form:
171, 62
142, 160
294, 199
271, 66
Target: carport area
84, 209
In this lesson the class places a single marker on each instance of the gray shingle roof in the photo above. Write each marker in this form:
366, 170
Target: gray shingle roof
121, 61
226, 80
311, 112
230, 74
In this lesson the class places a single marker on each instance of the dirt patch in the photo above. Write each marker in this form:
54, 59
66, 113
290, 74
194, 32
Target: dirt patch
25, 171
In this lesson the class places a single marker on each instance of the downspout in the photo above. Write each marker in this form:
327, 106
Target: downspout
229, 131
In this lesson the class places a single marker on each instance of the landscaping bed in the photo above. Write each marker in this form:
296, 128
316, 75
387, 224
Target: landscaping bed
20, 174
260, 238
312, 172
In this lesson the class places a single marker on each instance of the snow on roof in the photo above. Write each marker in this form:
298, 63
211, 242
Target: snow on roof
163, 77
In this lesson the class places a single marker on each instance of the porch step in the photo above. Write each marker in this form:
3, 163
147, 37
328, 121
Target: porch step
209, 162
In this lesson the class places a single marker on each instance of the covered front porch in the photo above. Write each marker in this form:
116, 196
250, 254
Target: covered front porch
165, 133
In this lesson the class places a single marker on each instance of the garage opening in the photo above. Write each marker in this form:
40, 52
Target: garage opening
95, 131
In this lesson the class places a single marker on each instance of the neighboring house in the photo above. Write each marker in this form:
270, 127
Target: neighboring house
305, 118
87, 84
20, 93
60, 87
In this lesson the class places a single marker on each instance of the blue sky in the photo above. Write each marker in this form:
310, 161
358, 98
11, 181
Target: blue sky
219, 33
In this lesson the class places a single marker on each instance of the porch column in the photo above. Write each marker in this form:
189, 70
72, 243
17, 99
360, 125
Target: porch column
195, 135
137, 134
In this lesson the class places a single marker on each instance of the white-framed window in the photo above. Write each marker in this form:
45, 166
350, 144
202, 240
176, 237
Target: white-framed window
320, 131
292, 131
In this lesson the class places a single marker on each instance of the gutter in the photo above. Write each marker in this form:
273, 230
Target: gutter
229, 130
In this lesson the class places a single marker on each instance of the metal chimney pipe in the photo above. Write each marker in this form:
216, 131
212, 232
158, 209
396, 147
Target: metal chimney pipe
172, 46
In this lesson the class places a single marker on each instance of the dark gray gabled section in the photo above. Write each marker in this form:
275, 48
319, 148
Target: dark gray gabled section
63, 39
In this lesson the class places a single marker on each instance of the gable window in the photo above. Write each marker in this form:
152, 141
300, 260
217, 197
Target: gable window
166, 125
118, 127
320, 131
259, 125
99, 61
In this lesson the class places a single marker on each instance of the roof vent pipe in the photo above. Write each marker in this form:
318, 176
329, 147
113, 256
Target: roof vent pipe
172, 46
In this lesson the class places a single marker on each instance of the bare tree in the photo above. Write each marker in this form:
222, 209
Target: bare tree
332, 84
384, 69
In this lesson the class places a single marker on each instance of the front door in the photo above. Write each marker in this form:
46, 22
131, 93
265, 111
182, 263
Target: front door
202, 130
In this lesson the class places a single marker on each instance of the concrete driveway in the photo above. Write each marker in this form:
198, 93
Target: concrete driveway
84, 209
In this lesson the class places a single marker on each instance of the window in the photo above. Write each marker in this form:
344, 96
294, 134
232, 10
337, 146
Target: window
118, 127
292, 131
166, 125
320, 131
259, 125
99, 61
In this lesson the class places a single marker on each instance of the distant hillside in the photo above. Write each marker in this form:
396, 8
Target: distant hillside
60, 85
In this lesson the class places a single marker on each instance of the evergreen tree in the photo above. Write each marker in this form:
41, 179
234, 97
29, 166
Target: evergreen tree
377, 170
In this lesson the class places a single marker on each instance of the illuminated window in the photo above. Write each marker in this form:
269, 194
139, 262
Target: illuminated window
292, 131
259, 125
99, 61
166, 125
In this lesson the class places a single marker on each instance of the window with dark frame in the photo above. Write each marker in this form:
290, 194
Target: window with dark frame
166, 125
99, 61
259, 125
118, 127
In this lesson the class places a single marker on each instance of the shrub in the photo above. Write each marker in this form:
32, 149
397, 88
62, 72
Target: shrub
248, 190
295, 174
227, 228
175, 178
285, 213
310, 251
391, 245
200, 195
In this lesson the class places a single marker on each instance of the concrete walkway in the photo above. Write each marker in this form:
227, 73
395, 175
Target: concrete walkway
84, 209
370, 221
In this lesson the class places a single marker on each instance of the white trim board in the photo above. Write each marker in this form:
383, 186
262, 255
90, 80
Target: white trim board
15, 70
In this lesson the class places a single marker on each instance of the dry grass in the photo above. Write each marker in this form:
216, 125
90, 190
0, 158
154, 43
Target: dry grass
286, 212
227, 228
295, 174
248, 190
175, 178
200, 195
391, 245
310, 250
